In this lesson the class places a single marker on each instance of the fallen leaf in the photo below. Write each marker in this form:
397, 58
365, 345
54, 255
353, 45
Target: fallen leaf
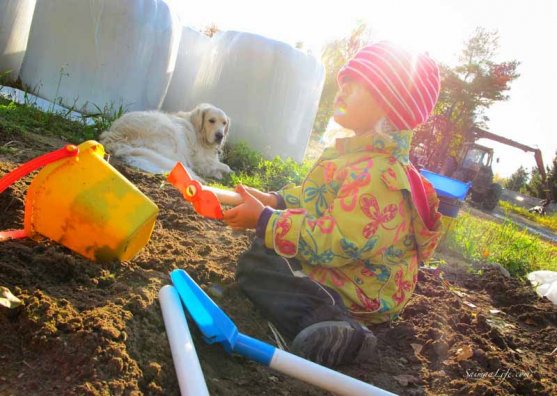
405, 379
464, 353
494, 311
469, 304
500, 324
7, 299
417, 348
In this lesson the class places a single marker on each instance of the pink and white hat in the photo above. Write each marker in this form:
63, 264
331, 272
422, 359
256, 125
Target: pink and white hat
405, 85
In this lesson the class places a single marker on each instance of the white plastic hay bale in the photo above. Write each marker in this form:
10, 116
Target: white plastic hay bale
270, 90
546, 284
15, 23
102, 52
193, 46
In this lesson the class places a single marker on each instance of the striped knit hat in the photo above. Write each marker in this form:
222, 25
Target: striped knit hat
406, 86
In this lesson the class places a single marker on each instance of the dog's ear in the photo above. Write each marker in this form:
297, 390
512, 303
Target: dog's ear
197, 118
227, 126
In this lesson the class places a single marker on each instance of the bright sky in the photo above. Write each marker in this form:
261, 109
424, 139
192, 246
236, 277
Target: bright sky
526, 28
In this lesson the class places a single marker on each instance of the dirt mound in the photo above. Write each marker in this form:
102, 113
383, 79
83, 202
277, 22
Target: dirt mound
90, 328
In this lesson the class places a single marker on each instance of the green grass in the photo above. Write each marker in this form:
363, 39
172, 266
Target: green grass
548, 221
504, 243
251, 169
24, 118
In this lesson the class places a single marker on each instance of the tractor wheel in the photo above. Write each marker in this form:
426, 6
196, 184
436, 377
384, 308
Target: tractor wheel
477, 197
492, 196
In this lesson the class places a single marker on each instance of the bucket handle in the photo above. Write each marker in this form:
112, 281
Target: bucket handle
69, 150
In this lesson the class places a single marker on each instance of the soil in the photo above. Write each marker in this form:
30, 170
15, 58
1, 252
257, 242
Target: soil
96, 328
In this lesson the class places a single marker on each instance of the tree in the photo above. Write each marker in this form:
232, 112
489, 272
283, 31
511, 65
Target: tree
552, 178
517, 181
335, 54
467, 90
497, 178
535, 187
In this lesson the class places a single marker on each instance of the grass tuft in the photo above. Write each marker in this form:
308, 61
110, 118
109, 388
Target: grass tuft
251, 169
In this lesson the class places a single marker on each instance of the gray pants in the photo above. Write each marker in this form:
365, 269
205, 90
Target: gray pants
285, 295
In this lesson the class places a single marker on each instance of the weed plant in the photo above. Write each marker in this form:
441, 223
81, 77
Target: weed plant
251, 169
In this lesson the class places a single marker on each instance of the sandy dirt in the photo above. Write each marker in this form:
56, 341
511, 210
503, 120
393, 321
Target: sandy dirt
92, 328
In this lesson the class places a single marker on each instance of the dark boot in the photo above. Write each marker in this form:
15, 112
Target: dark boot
334, 343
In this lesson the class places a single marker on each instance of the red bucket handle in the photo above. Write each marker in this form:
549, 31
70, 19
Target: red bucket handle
69, 150
12, 234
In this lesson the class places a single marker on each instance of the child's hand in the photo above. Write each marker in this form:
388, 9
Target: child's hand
265, 198
247, 213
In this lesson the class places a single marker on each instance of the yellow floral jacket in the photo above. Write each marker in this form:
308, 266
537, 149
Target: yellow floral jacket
353, 226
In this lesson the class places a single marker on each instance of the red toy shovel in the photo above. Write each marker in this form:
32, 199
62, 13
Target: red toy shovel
205, 200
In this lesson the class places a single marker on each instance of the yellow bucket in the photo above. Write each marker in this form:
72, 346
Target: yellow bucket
86, 205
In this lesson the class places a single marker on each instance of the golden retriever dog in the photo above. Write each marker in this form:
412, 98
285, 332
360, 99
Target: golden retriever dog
154, 141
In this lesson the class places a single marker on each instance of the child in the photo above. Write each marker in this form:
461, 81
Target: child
343, 248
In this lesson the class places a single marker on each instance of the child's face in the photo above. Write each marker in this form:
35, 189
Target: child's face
355, 108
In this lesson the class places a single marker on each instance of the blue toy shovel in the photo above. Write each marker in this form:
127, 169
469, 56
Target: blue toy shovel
217, 327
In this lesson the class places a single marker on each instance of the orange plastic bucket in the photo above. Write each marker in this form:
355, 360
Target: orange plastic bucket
85, 204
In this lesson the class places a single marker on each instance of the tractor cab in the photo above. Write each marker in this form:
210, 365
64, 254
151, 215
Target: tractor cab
475, 159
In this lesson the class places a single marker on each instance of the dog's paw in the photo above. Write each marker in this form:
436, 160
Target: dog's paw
218, 174
225, 169
221, 171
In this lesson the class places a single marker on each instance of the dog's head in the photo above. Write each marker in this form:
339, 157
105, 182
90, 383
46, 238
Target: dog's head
211, 124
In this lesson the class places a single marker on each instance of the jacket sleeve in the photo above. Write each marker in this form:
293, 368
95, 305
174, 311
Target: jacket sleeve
290, 195
363, 220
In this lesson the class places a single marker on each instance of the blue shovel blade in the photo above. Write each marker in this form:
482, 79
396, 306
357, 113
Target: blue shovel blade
211, 320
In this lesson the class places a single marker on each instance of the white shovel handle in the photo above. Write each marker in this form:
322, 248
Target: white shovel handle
226, 197
186, 363
323, 377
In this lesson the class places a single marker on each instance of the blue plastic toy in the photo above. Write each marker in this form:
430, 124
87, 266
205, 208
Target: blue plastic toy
217, 327
446, 186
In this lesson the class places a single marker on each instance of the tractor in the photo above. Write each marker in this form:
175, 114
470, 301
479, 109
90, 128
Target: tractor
474, 165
